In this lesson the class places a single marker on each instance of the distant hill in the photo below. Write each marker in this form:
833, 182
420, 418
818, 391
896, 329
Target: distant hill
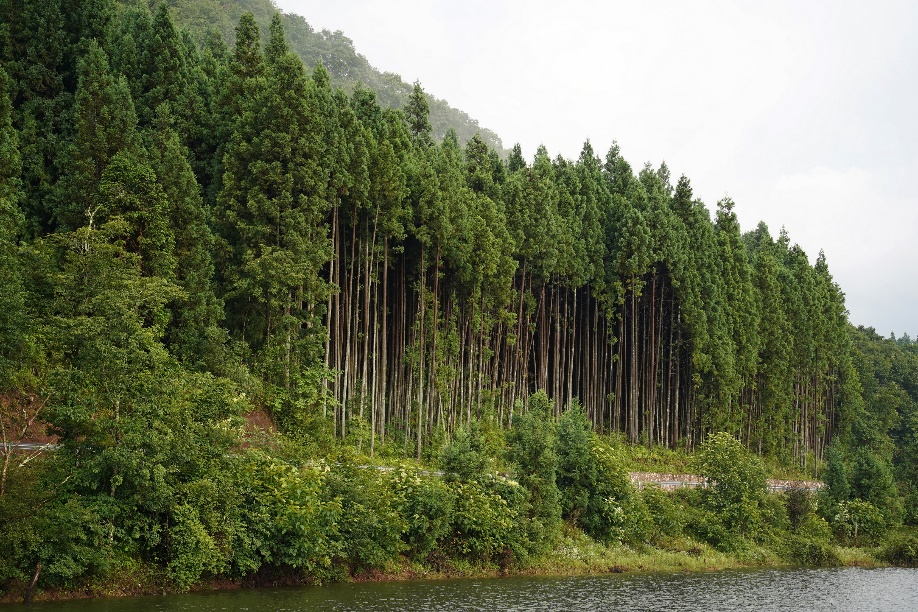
346, 66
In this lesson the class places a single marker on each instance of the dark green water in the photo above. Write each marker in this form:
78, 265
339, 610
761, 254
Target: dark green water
837, 590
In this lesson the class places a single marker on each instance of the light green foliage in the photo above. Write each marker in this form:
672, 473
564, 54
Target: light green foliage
192, 549
615, 512
464, 458
811, 552
289, 517
736, 482
902, 551
859, 521
74, 542
666, 516
427, 506
370, 525
483, 523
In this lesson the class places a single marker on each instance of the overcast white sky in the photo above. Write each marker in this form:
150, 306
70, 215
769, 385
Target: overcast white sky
802, 111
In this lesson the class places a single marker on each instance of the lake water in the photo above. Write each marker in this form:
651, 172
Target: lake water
767, 590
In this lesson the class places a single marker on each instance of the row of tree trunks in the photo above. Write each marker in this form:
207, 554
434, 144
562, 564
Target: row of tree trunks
408, 355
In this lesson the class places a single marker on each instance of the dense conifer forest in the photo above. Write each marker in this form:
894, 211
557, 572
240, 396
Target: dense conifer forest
198, 231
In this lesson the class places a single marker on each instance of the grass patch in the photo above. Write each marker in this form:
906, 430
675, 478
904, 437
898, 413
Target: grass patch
577, 554
858, 557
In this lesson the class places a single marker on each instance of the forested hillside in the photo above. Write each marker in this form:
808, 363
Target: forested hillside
196, 229
347, 68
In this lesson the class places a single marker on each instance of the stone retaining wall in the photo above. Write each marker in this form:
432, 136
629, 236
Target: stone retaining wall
671, 482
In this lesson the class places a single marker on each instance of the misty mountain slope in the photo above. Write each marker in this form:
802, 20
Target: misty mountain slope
346, 66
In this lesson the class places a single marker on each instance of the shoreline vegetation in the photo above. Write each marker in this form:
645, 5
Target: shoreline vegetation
228, 287
577, 555
661, 531
611, 561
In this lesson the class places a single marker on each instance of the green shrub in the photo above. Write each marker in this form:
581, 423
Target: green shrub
810, 551
192, 550
20, 535
666, 518
615, 512
532, 451
872, 481
859, 522
74, 540
576, 468
464, 457
736, 482
426, 504
482, 522
774, 522
901, 551
285, 517
707, 527
836, 475
370, 525
522, 539
800, 504
910, 505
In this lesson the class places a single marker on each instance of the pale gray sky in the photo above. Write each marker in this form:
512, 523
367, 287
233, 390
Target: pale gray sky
801, 111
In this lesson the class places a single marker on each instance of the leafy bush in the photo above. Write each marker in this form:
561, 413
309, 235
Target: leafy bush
532, 451
811, 551
20, 535
736, 482
801, 504
520, 538
426, 504
859, 522
666, 518
576, 468
615, 513
370, 525
705, 526
464, 457
901, 551
483, 523
872, 481
286, 517
910, 516
836, 475
74, 541
193, 551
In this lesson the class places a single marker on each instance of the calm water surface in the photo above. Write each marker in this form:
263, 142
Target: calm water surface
837, 590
